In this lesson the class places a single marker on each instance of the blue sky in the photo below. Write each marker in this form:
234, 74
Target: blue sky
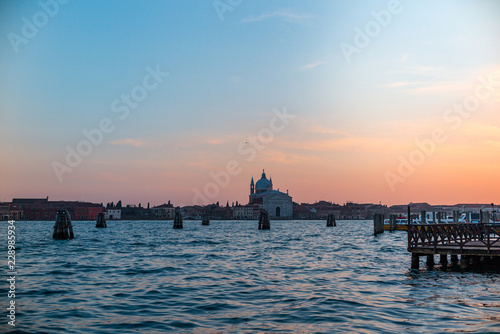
353, 119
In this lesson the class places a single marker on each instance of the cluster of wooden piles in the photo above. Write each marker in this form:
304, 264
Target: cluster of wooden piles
101, 221
205, 221
63, 229
264, 223
330, 221
178, 218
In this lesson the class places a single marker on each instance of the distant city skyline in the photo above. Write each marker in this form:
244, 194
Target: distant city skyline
378, 101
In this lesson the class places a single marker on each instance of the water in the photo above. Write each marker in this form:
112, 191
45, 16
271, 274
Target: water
301, 277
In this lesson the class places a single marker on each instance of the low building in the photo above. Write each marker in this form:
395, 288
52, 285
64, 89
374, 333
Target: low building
133, 212
113, 214
47, 210
164, 211
221, 213
192, 211
246, 212
4, 211
16, 212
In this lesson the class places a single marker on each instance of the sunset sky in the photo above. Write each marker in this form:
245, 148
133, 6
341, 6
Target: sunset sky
363, 101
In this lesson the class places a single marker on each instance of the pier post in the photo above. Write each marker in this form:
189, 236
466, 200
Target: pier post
392, 222
454, 260
330, 221
63, 228
415, 261
423, 217
178, 218
476, 262
205, 221
101, 221
443, 260
378, 223
264, 223
439, 214
430, 260
464, 262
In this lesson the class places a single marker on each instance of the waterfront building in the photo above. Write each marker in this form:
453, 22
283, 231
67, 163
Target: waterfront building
278, 204
192, 211
43, 209
16, 212
4, 211
164, 211
113, 214
243, 212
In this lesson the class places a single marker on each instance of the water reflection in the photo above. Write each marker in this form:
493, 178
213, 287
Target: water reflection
230, 277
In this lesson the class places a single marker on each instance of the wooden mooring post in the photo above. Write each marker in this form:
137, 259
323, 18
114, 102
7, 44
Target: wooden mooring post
392, 222
415, 261
378, 223
443, 260
205, 221
330, 220
101, 221
178, 218
63, 229
264, 223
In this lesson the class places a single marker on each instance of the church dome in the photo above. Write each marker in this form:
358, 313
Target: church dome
263, 184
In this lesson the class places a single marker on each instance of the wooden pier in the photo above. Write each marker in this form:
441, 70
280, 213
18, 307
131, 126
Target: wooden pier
478, 245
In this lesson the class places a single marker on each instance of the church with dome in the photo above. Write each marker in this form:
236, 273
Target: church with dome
278, 204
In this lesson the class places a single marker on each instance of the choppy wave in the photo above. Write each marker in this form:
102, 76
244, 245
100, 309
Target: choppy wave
230, 277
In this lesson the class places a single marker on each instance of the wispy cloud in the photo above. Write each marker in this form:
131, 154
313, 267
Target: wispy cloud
429, 87
219, 140
399, 84
443, 87
422, 70
128, 142
345, 144
279, 14
312, 65
318, 128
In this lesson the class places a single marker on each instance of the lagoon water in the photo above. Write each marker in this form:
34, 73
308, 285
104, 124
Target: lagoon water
229, 277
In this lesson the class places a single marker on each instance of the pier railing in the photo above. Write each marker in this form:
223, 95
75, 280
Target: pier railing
458, 235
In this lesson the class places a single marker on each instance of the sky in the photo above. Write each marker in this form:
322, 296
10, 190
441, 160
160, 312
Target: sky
149, 101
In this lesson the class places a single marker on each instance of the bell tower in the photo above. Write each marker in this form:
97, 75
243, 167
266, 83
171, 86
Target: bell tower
252, 187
